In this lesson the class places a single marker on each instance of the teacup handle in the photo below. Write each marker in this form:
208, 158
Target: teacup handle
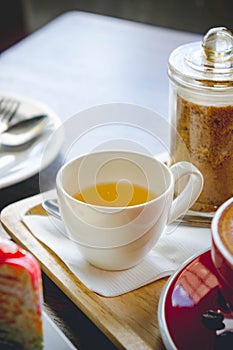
191, 191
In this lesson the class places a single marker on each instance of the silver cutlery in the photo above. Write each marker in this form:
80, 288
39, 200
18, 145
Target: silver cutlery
51, 207
196, 220
24, 131
8, 109
189, 219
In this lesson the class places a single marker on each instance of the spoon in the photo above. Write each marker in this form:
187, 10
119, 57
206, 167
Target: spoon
189, 219
52, 207
24, 131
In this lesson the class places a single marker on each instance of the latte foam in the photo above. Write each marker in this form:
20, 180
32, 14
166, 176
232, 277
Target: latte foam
225, 228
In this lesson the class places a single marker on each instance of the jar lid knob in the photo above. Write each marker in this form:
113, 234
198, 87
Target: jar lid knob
218, 44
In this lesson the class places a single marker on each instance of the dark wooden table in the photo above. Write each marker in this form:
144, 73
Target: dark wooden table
77, 61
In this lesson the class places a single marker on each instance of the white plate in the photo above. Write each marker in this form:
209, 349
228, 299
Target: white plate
53, 336
18, 164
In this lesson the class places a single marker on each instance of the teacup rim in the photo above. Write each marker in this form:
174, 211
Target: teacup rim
214, 231
116, 208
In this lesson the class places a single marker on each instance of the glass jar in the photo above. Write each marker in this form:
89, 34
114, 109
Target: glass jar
201, 112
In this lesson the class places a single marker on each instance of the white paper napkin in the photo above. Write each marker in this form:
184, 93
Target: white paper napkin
170, 251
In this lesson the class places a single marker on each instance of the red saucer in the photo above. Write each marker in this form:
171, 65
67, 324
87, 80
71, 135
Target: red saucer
189, 294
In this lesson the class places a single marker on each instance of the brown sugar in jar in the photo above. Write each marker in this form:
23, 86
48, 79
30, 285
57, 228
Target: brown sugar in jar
201, 113
207, 132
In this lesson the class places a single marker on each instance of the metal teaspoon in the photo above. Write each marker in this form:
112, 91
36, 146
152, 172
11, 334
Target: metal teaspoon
52, 207
24, 131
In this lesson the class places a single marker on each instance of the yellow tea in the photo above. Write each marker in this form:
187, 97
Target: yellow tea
112, 194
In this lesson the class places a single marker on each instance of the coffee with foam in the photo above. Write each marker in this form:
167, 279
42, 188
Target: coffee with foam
225, 228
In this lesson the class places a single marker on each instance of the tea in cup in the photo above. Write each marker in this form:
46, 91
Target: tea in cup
116, 204
222, 247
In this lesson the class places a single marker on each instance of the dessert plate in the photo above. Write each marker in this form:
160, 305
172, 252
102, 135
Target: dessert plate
193, 313
53, 336
19, 163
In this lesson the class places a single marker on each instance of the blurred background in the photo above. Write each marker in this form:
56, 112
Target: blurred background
18, 18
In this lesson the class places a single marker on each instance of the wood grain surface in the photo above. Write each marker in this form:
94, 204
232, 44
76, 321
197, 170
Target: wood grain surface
129, 320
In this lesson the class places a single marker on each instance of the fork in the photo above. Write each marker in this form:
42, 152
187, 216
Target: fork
8, 109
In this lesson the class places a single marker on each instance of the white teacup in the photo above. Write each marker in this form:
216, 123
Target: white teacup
105, 233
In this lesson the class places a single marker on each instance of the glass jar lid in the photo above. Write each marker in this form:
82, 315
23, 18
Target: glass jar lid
208, 63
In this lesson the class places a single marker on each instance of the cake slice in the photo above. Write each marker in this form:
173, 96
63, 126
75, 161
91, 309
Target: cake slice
20, 299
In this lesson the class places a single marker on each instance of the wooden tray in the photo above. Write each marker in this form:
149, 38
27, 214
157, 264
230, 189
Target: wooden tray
129, 320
